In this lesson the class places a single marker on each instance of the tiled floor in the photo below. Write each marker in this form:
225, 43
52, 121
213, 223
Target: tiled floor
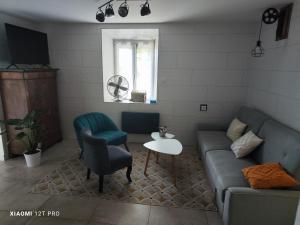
16, 180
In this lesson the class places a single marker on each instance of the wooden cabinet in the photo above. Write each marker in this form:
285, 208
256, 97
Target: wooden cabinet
25, 90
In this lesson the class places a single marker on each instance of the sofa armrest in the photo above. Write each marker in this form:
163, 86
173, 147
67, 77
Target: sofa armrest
211, 126
247, 206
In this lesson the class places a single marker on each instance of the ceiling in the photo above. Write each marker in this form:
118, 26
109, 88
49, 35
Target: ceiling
162, 10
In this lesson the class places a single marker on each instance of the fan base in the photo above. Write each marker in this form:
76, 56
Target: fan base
117, 100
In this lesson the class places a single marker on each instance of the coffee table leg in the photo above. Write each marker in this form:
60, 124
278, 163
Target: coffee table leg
174, 169
157, 155
147, 161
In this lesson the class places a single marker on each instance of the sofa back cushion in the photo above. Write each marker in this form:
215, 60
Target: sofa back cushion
281, 144
253, 118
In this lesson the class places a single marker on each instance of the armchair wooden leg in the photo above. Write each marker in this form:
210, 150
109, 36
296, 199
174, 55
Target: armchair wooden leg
88, 174
129, 169
147, 161
174, 169
101, 183
126, 146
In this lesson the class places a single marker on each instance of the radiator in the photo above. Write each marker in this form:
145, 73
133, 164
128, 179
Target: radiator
140, 123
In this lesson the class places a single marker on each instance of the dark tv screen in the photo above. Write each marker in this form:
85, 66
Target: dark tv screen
27, 46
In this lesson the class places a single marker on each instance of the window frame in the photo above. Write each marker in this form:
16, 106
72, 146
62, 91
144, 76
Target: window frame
134, 44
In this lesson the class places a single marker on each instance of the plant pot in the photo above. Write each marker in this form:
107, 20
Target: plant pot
33, 160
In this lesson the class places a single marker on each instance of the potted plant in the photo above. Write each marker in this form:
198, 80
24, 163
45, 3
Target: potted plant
28, 130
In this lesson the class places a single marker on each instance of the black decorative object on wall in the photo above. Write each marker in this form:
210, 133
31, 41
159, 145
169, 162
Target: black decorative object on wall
269, 16
122, 11
283, 26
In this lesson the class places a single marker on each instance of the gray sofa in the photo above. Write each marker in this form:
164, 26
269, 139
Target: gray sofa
237, 203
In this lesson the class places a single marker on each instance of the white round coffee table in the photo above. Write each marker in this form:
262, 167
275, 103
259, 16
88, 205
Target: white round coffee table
155, 136
166, 146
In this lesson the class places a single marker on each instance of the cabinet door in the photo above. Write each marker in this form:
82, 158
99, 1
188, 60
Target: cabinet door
43, 95
14, 101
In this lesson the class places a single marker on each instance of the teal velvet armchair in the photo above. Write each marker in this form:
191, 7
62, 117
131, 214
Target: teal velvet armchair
102, 127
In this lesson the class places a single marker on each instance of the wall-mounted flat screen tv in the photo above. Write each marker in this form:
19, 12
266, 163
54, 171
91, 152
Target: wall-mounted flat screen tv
27, 46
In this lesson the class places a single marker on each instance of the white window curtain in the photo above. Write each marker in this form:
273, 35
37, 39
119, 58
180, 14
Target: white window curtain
134, 59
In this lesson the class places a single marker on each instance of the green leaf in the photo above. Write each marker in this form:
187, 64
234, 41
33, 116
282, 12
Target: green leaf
14, 122
34, 114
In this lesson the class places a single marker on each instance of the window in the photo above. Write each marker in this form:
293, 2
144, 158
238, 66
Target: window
134, 59
134, 56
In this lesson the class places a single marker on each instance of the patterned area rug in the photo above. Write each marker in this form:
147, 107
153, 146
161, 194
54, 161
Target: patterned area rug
192, 190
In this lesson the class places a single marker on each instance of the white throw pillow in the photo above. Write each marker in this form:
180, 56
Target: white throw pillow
236, 129
245, 144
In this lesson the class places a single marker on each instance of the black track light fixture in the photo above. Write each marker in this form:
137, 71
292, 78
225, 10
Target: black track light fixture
100, 15
123, 9
109, 10
145, 9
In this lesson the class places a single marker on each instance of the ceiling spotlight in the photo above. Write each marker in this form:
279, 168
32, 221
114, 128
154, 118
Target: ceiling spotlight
100, 15
123, 9
109, 11
145, 9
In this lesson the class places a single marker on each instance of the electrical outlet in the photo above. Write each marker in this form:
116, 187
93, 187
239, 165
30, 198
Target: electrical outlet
203, 107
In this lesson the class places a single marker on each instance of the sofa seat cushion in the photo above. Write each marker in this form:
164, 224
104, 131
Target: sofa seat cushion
212, 140
118, 157
225, 170
116, 137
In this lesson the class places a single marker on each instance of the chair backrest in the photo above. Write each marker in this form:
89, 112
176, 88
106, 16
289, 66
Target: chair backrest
96, 122
95, 154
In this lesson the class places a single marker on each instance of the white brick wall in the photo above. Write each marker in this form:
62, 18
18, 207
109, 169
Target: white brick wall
198, 63
274, 80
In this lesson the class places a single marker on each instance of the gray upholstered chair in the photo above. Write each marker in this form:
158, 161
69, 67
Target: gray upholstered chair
104, 159
101, 126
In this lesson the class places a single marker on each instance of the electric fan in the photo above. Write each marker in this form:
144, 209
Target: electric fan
117, 86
